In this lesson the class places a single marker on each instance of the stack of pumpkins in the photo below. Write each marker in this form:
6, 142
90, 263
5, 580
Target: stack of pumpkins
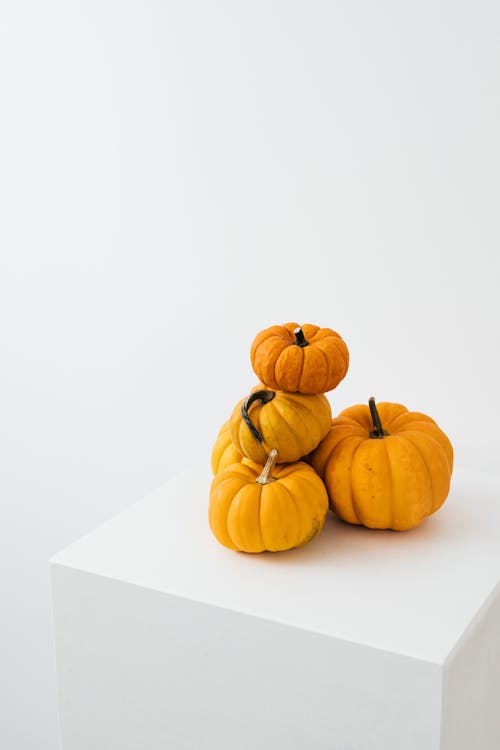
281, 461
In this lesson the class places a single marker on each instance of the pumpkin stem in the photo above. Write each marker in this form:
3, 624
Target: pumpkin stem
300, 339
264, 397
378, 431
264, 477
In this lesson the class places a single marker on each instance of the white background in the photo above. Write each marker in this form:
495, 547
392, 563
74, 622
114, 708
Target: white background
175, 176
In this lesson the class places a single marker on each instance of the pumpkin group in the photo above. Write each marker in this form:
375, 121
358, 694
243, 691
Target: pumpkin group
253, 509
384, 467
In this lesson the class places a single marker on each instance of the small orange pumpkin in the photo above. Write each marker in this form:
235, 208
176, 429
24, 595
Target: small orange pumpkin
291, 423
253, 512
385, 467
300, 359
224, 452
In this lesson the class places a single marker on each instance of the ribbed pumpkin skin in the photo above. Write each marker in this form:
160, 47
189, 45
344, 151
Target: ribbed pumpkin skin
250, 517
292, 423
224, 452
284, 366
392, 482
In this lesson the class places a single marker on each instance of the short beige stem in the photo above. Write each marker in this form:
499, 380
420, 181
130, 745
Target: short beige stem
264, 478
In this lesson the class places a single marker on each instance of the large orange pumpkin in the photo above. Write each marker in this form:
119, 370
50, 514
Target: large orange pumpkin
291, 423
385, 467
253, 509
303, 359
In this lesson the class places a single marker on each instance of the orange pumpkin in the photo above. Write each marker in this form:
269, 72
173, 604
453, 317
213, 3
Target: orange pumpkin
385, 467
300, 359
224, 452
291, 423
274, 509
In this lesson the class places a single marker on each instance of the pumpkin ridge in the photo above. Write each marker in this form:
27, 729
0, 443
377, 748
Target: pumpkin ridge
405, 526
437, 500
432, 429
321, 509
387, 420
344, 467
224, 520
262, 341
429, 474
391, 482
342, 439
310, 480
236, 546
224, 451
309, 327
263, 337
259, 514
301, 475
302, 399
341, 347
360, 415
355, 505
290, 328
267, 370
299, 518
296, 380
300, 405
227, 457
327, 342
299, 377
275, 380
243, 430
419, 418
352, 423
284, 425
245, 494
331, 450
266, 425
256, 345
311, 372
327, 376
235, 473
325, 461
420, 422
322, 333
304, 518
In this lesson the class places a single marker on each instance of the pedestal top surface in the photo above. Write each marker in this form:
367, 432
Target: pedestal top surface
412, 593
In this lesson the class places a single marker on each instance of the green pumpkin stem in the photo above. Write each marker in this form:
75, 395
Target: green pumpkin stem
264, 477
264, 397
300, 339
378, 431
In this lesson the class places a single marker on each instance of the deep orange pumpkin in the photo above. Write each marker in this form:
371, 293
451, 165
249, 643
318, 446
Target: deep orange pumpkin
300, 359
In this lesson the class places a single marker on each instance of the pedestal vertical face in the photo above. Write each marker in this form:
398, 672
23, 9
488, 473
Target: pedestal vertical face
471, 692
142, 669
360, 640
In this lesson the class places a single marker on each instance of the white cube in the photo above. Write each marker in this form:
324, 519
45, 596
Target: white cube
361, 640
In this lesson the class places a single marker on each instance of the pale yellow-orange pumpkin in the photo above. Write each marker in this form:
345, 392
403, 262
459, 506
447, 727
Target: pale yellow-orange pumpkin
291, 423
303, 359
384, 467
253, 509
224, 452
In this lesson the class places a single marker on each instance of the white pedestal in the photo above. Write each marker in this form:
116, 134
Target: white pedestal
361, 640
